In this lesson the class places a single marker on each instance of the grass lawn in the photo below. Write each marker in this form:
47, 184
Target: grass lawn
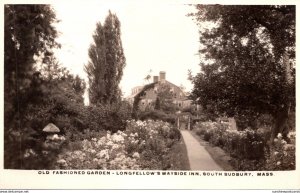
178, 156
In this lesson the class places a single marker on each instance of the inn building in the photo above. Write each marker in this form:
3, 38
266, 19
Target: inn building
179, 97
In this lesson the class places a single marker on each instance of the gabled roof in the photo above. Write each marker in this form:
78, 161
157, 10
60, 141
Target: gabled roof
168, 82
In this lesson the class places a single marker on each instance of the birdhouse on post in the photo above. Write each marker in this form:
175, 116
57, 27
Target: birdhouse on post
51, 128
53, 141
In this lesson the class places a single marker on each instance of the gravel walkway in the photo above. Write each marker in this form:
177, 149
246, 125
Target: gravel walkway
198, 157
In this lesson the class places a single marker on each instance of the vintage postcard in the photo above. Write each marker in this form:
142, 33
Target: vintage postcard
149, 95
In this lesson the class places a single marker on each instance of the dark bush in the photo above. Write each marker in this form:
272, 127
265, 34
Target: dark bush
207, 136
26, 151
158, 115
111, 117
174, 134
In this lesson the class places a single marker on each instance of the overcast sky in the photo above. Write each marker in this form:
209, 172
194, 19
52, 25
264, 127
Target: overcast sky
155, 36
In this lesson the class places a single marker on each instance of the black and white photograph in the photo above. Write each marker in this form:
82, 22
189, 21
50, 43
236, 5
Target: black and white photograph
118, 88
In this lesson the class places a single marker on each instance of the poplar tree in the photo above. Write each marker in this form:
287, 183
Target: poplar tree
107, 61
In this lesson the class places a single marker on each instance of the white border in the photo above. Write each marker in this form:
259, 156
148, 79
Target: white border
22, 179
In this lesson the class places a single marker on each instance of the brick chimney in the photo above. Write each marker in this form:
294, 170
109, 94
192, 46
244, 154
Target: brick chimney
162, 76
155, 79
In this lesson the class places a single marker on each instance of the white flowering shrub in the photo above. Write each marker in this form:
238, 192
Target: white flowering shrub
142, 145
153, 140
247, 144
249, 148
107, 152
211, 131
282, 155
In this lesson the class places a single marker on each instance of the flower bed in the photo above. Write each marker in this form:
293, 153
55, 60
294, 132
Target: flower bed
249, 148
143, 145
282, 155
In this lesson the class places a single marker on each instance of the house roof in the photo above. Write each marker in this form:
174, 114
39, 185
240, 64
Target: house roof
168, 82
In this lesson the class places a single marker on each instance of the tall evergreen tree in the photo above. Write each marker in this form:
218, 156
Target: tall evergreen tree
107, 61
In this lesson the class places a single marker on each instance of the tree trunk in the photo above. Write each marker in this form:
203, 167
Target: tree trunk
281, 123
282, 115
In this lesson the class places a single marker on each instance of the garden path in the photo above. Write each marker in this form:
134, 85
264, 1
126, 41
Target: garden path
199, 158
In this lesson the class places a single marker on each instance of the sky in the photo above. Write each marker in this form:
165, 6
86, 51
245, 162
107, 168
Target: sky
156, 37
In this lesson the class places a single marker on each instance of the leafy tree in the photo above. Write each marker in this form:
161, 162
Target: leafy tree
247, 56
78, 85
52, 70
28, 35
107, 60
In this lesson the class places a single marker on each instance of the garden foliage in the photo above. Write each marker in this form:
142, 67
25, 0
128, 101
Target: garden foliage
157, 115
250, 149
143, 145
257, 42
28, 36
58, 102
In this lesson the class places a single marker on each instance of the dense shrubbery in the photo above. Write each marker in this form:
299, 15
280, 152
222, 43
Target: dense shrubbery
39, 91
157, 115
110, 117
43, 100
282, 155
57, 101
27, 151
143, 145
249, 148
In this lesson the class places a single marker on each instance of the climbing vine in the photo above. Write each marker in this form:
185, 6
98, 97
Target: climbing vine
138, 98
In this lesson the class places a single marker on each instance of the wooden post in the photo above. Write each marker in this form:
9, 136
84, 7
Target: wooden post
189, 123
287, 68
